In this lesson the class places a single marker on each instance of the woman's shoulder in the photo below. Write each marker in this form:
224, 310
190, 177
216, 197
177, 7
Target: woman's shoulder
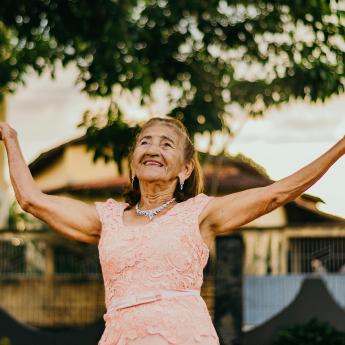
198, 202
110, 202
201, 197
108, 206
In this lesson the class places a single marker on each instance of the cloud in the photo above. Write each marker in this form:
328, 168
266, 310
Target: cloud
298, 122
46, 111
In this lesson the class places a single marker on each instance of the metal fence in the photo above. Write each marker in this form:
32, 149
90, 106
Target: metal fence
321, 254
49, 281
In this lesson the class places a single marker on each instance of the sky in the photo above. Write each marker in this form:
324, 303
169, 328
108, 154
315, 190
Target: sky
45, 113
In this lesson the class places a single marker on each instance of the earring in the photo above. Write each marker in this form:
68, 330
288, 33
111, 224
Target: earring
132, 179
181, 184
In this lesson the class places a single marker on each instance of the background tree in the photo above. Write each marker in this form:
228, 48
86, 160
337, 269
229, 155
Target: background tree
253, 54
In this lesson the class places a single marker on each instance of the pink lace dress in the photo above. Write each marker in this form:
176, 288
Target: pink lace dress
166, 253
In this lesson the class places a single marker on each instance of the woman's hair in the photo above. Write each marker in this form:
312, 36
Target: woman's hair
192, 186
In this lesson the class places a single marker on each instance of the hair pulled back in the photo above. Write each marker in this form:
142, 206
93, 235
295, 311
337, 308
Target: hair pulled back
192, 186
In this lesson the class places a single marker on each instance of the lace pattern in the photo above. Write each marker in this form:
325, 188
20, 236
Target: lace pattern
167, 253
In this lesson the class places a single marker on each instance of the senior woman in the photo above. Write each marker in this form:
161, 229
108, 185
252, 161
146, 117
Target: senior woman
154, 245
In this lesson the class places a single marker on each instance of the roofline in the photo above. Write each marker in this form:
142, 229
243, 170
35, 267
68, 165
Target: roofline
40, 161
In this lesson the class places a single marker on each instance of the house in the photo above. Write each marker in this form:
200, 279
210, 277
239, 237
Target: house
68, 170
273, 243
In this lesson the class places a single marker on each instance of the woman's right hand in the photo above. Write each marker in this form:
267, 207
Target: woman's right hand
6, 131
73, 218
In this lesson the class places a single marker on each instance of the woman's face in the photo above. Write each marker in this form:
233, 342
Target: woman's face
158, 155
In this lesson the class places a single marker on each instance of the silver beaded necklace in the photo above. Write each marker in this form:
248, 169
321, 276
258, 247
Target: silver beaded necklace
151, 213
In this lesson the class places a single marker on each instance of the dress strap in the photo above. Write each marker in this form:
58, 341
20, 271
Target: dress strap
199, 202
109, 210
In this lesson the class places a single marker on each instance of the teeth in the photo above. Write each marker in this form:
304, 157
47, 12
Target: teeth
152, 163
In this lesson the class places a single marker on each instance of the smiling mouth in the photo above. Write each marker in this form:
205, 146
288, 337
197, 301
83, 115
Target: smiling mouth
151, 163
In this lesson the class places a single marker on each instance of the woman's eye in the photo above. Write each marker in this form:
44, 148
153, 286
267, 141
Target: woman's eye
167, 144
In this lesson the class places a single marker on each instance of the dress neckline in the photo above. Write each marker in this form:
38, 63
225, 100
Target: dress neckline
155, 219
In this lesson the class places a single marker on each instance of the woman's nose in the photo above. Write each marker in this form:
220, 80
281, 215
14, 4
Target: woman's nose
153, 149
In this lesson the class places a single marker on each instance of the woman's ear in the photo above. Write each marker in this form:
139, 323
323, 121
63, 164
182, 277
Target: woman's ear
188, 169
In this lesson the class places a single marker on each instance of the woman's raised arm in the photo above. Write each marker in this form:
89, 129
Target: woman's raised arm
229, 212
73, 218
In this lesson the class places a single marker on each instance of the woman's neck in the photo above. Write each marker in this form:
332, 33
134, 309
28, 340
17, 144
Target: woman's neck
150, 199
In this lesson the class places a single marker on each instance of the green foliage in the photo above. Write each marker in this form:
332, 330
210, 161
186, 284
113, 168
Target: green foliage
313, 332
220, 54
111, 141
259, 168
20, 220
5, 341
206, 47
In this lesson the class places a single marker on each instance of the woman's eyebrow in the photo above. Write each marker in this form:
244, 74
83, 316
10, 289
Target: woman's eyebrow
145, 137
162, 136
167, 138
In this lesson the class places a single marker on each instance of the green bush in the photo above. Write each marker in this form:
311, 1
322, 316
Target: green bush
313, 332
5, 341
